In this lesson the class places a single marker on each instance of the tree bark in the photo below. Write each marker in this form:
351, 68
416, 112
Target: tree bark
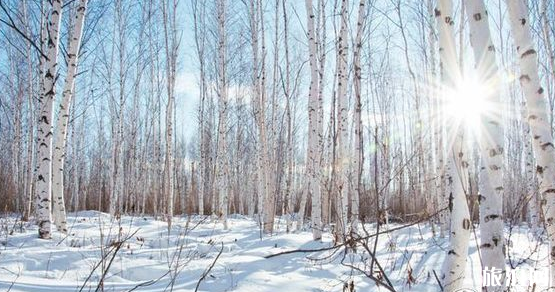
538, 119
492, 241
44, 145
342, 158
222, 164
358, 153
60, 137
314, 134
456, 172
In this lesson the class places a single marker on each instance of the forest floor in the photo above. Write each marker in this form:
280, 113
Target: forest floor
139, 255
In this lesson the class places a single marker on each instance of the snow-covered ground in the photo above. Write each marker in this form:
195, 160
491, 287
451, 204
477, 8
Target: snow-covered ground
150, 260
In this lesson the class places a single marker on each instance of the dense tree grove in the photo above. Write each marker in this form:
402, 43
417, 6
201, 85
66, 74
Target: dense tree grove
324, 113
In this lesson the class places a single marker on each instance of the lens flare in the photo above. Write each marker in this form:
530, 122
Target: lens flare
467, 103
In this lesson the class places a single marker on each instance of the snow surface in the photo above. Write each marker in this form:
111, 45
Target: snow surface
409, 257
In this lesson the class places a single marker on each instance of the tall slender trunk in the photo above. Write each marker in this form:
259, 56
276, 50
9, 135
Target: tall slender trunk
44, 139
314, 132
222, 165
117, 176
358, 154
547, 31
171, 46
200, 42
60, 137
456, 172
538, 119
342, 158
287, 200
492, 241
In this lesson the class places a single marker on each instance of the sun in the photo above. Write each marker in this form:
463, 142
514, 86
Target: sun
466, 104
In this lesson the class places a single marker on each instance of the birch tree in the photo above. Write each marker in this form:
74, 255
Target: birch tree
538, 119
342, 157
45, 129
199, 15
455, 261
313, 157
171, 46
28, 193
60, 136
118, 142
288, 202
358, 144
492, 241
222, 164
265, 198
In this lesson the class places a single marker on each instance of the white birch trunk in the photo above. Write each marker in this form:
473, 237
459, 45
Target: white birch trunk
28, 179
267, 194
118, 143
321, 48
454, 265
492, 241
60, 137
531, 182
200, 40
170, 35
288, 206
342, 156
358, 151
222, 164
314, 134
538, 119
44, 139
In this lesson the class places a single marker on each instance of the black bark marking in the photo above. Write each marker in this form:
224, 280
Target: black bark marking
540, 91
523, 21
485, 245
545, 145
451, 252
532, 117
496, 240
450, 202
466, 224
527, 53
524, 78
491, 217
539, 169
437, 12
477, 16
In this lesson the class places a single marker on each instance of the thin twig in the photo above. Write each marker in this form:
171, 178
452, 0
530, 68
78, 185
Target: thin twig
209, 268
356, 240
